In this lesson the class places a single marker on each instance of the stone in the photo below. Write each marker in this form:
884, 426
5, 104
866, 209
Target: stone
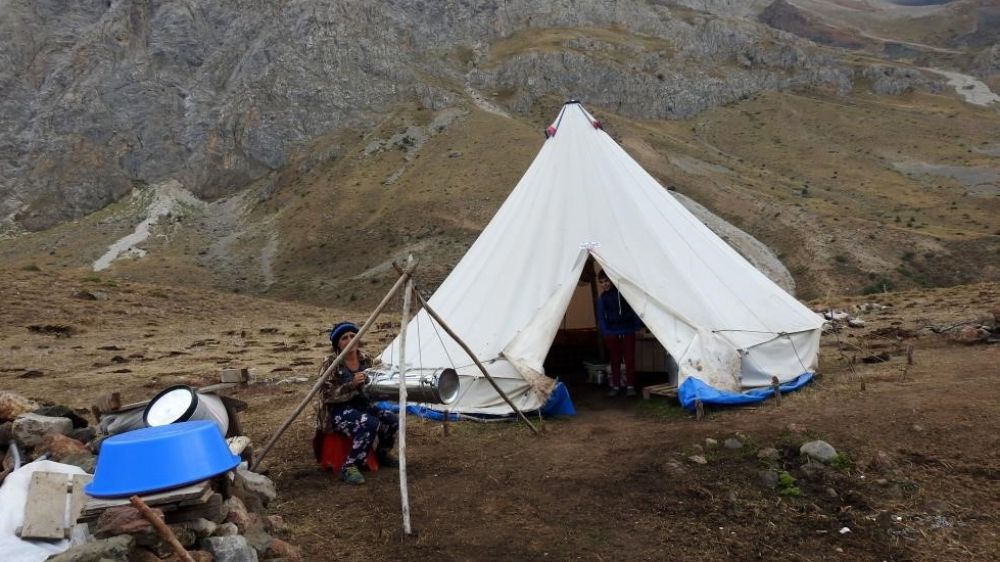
768, 478
59, 446
819, 450
201, 527
831, 493
123, 520
13, 405
86, 460
768, 454
62, 412
230, 549
971, 335
856, 323
256, 490
281, 549
733, 444
115, 549
711, 443
6, 433
883, 461
226, 530
813, 471
30, 428
238, 514
698, 459
84, 434
697, 448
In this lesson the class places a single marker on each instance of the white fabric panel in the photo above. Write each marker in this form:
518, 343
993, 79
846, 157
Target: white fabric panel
785, 357
697, 295
13, 500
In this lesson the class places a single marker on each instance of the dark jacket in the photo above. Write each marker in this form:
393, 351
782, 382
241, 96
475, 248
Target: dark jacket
338, 388
614, 315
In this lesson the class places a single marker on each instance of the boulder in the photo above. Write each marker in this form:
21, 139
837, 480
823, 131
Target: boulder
87, 461
226, 530
238, 514
62, 412
123, 520
711, 443
819, 450
283, 550
115, 549
768, 454
698, 459
733, 444
201, 527
84, 434
30, 428
768, 478
230, 549
256, 490
971, 335
59, 446
13, 405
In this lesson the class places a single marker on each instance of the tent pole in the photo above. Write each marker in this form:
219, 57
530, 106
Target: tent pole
404, 276
468, 351
403, 493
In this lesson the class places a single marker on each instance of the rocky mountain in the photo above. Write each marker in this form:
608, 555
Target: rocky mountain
280, 122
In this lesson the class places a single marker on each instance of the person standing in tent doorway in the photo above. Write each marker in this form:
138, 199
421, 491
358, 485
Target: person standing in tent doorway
618, 324
346, 410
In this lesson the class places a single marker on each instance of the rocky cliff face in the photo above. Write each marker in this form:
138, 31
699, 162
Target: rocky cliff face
100, 95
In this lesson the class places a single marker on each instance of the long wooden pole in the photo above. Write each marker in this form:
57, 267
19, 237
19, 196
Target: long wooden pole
161, 529
403, 278
404, 494
468, 351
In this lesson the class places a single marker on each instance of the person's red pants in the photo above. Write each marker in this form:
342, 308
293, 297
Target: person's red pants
621, 347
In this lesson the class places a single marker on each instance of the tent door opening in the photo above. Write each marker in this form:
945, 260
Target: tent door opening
578, 346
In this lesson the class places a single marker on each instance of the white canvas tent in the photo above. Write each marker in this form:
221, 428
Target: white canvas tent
723, 321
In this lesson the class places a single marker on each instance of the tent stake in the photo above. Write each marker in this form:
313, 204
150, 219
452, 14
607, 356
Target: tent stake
776, 389
403, 493
403, 278
454, 336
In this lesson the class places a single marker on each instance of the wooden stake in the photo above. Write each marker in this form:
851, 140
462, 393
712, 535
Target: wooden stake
776, 388
471, 355
699, 410
161, 529
404, 495
444, 423
909, 354
468, 351
403, 278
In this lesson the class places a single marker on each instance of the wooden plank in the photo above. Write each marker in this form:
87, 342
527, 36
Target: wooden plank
238, 444
77, 497
45, 512
668, 390
187, 493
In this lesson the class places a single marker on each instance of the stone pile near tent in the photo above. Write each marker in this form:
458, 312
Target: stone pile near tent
223, 519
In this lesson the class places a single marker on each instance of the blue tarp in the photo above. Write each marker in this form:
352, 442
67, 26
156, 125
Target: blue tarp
693, 389
559, 404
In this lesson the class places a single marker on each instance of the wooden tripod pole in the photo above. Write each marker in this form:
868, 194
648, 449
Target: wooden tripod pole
404, 276
404, 494
458, 340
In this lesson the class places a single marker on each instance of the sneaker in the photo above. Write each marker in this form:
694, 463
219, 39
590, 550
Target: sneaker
352, 475
630, 391
613, 391
386, 460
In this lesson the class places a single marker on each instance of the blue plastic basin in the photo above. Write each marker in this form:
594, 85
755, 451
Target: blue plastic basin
155, 459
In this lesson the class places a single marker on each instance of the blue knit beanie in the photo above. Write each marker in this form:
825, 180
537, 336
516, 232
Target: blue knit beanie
341, 329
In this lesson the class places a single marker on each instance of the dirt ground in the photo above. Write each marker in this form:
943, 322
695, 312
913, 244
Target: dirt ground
614, 482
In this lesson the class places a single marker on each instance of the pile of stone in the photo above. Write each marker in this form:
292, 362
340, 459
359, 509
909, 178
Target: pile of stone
29, 431
223, 519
